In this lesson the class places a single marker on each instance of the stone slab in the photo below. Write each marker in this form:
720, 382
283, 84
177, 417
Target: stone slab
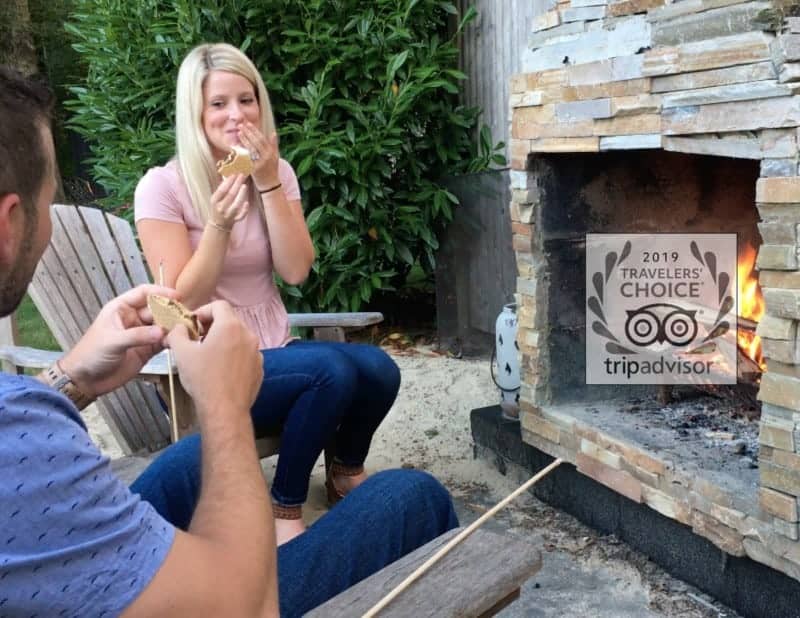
635, 104
786, 352
780, 390
624, 88
771, 413
779, 143
558, 34
724, 21
621, 482
630, 7
730, 117
760, 553
736, 145
566, 144
778, 190
580, 3
666, 505
765, 89
789, 72
548, 19
627, 67
775, 279
779, 368
583, 110
779, 478
535, 423
584, 13
777, 257
788, 212
631, 142
629, 125
628, 37
785, 528
777, 328
788, 47
708, 54
590, 449
778, 436
532, 98
519, 83
727, 539
715, 77
772, 168
687, 7
590, 46
778, 504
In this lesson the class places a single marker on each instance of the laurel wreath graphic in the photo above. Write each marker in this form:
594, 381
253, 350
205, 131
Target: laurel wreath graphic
612, 262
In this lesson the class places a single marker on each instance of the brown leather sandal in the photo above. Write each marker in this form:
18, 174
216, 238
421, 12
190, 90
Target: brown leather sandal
339, 469
279, 511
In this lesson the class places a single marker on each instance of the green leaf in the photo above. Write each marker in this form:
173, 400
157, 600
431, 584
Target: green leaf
403, 252
305, 165
394, 65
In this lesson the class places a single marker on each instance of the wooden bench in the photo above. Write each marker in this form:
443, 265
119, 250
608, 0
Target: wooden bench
479, 577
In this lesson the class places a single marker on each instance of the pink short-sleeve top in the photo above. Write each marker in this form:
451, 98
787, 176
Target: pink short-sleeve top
246, 279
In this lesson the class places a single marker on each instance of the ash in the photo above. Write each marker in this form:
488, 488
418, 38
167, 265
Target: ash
715, 430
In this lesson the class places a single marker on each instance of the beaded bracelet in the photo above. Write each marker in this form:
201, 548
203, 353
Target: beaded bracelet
221, 228
271, 189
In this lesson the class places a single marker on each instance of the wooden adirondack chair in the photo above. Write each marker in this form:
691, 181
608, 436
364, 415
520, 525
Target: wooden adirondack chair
93, 257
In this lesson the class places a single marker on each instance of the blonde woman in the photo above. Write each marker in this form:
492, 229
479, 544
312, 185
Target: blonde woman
223, 239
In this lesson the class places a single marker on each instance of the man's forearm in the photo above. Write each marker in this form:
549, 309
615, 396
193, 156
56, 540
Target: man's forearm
234, 509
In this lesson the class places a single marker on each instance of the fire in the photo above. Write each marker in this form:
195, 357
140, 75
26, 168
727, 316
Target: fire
751, 305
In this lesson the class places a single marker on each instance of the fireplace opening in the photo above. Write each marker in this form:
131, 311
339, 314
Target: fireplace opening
640, 192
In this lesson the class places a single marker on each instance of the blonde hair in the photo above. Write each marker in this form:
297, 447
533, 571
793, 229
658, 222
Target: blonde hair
192, 149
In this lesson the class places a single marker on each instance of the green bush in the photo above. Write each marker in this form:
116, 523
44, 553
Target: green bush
366, 101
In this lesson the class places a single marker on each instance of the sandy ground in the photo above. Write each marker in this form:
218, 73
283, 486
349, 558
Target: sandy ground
584, 573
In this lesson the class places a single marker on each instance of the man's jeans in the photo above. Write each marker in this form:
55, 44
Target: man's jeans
389, 515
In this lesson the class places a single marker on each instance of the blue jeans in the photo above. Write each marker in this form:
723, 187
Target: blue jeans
319, 391
387, 516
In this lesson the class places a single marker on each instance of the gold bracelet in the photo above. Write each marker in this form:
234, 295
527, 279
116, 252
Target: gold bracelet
55, 378
221, 228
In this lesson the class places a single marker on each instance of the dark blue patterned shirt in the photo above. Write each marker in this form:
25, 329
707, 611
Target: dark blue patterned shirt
74, 541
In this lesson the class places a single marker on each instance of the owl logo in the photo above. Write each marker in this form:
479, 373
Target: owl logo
661, 322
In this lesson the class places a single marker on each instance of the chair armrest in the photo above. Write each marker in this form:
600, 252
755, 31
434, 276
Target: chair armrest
33, 358
344, 320
29, 358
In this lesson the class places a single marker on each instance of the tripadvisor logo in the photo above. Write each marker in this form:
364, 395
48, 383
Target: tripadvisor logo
661, 308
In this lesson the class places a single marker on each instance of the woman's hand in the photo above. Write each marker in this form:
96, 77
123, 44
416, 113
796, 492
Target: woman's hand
266, 155
229, 202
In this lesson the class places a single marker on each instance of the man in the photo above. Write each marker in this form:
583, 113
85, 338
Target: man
74, 540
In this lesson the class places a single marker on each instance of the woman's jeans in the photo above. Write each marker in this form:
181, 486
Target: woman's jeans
322, 391
387, 516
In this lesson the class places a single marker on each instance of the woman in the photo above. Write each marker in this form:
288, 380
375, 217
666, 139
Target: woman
224, 238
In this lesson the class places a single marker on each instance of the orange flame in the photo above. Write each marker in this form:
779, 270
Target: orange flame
751, 305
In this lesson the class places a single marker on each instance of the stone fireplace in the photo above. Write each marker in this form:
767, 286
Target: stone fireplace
645, 117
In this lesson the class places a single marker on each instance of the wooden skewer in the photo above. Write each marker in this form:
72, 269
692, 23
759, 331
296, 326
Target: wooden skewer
458, 538
173, 415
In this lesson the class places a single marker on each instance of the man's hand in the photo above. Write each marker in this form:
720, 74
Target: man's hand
224, 371
118, 343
